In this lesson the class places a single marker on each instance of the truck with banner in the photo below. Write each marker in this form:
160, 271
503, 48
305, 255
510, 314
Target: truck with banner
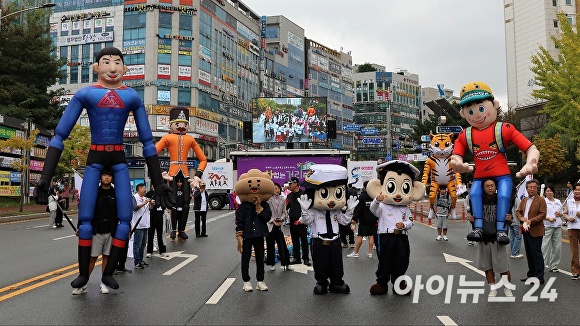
280, 164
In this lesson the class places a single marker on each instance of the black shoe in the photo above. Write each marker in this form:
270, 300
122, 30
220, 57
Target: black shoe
139, 266
144, 264
203, 235
319, 289
342, 289
524, 279
122, 271
307, 263
198, 235
182, 235
172, 235
295, 262
60, 226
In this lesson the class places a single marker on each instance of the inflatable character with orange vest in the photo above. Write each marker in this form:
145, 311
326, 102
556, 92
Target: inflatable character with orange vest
438, 169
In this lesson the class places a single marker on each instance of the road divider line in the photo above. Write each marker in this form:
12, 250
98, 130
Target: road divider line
447, 321
219, 293
65, 237
42, 283
39, 277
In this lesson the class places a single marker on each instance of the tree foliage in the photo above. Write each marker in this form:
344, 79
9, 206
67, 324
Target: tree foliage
559, 79
553, 159
75, 152
28, 68
366, 67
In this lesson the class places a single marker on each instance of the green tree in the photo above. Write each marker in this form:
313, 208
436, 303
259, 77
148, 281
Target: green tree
554, 161
75, 152
29, 68
366, 67
559, 79
22, 165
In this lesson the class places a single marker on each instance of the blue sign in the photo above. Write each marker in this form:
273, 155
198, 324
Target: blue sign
448, 129
372, 140
369, 131
350, 127
426, 153
389, 157
426, 138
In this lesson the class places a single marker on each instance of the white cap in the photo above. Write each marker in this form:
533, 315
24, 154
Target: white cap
321, 175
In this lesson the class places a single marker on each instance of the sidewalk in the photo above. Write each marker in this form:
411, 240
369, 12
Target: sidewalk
29, 211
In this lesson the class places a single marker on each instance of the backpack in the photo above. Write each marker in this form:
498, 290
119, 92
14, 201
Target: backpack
497, 133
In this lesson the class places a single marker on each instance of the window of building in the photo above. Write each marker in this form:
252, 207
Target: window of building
74, 53
134, 19
570, 20
85, 74
74, 75
163, 95
568, 2
165, 19
134, 59
554, 3
164, 58
555, 23
184, 97
185, 22
184, 60
86, 52
272, 32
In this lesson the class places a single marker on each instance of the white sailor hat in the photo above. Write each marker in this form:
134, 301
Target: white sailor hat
399, 166
324, 175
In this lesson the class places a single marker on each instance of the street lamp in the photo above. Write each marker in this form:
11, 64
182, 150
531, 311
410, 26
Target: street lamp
46, 5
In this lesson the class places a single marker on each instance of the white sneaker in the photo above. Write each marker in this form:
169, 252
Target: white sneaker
508, 292
155, 249
148, 256
273, 267
470, 243
104, 289
445, 238
352, 255
364, 238
370, 255
77, 291
164, 255
261, 286
492, 293
439, 238
247, 287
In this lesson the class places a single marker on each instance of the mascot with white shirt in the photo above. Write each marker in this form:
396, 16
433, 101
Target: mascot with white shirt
325, 205
394, 189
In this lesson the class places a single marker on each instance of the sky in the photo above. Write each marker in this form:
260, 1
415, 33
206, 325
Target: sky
450, 42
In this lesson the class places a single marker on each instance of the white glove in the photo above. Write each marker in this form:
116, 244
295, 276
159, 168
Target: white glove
304, 202
194, 182
351, 204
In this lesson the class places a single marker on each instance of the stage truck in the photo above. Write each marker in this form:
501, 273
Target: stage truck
221, 176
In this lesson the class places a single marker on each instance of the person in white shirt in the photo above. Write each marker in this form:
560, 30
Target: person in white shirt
200, 210
140, 223
572, 216
552, 241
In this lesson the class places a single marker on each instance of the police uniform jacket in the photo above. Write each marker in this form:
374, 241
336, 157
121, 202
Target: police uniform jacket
390, 215
317, 219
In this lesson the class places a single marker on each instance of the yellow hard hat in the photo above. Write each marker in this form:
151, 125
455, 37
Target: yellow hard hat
474, 91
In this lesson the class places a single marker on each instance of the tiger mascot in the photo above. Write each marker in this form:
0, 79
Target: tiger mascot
438, 168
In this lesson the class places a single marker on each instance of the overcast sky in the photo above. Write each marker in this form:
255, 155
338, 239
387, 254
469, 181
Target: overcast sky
450, 42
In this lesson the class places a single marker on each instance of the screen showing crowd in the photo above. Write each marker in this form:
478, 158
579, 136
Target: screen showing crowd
289, 119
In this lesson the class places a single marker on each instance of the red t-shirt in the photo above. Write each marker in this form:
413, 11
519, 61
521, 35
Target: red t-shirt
489, 161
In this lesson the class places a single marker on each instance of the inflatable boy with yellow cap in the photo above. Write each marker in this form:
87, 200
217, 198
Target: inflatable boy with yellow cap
488, 140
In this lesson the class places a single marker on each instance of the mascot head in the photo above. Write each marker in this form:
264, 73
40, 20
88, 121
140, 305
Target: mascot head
325, 185
441, 145
252, 184
179, 120
477, 104
395, 182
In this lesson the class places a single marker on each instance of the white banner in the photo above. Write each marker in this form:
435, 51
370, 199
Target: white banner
361, 171
219, 175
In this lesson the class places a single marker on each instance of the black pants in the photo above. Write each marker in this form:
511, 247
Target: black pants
200, 218
258, 244
327, 262
276, 237
345, 231
120, 263
156, 225
58, 218
394, 255
533, 246
178, 219
66, 203
299, 235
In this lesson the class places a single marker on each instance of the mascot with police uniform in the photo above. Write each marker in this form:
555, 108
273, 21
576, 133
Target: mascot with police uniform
394, 189
325, 205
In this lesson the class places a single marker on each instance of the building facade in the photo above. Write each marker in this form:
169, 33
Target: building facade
530, 24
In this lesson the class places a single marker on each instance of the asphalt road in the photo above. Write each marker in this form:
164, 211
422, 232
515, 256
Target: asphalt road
201, 284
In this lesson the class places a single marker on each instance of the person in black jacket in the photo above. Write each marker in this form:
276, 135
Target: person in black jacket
156, 224
298, 232
200, 210
253, 188
367, 223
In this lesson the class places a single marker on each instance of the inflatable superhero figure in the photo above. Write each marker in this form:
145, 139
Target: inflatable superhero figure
438, 169
392, 192
178, 142
324, 206
108, 104
488, 139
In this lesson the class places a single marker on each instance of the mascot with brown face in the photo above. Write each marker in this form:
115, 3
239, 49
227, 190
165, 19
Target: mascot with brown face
394, 189
254, 188
325, 205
